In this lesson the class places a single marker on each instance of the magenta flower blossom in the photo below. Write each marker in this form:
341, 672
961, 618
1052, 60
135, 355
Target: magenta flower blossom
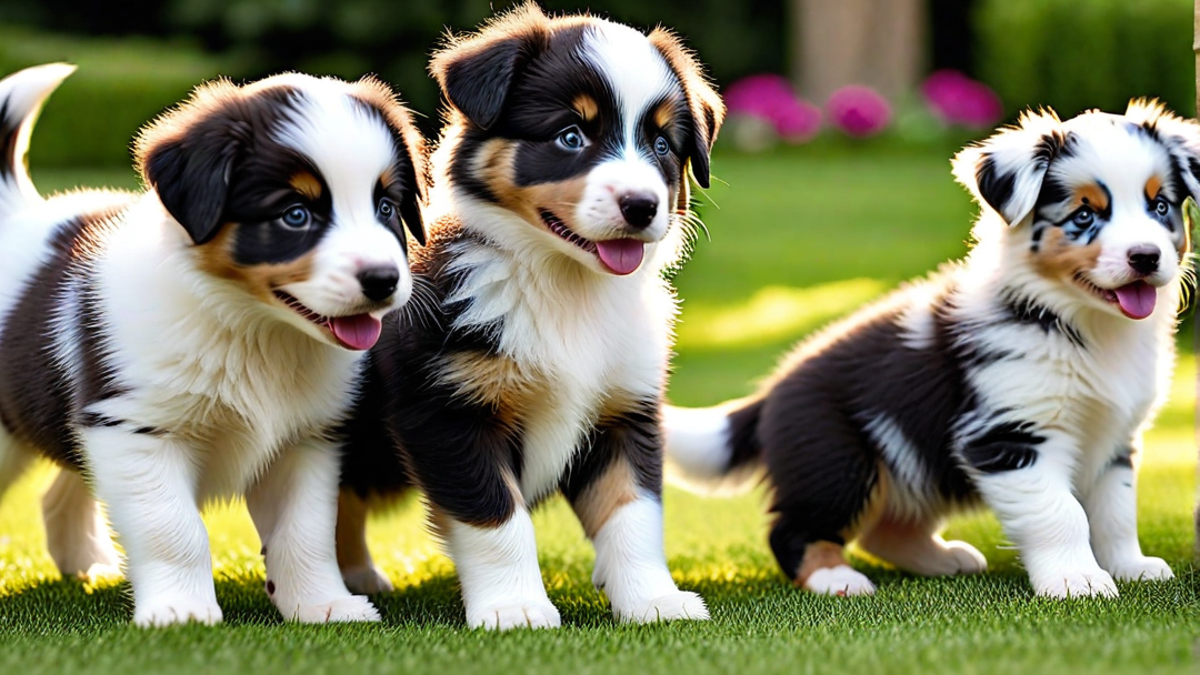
958, 100
770, 98
858, 111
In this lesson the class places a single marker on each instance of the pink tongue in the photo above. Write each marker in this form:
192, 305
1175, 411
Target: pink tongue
359, 332
1137, 299
621, 256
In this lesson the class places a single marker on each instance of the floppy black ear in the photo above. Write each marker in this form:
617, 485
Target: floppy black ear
410, 210
705, 108
186, 156
476, 72
1180, 136
1005, 172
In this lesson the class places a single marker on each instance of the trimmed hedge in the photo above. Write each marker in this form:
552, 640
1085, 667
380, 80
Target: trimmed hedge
121, 84
1073, 55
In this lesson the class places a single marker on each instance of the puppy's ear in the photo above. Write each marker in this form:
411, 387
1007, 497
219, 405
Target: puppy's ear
1006, 171
410, 162
476, 71
187, 155
1181, 138
705, 108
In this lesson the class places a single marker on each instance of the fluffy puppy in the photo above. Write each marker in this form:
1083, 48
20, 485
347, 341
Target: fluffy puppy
200, 340
1020, 379
562, 193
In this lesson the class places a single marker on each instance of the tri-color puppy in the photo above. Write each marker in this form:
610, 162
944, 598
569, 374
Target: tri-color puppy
1021, 378
201, 339
561, 190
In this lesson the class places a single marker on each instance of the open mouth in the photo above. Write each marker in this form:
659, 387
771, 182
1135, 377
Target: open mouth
619, 256
357, 332
1136, 300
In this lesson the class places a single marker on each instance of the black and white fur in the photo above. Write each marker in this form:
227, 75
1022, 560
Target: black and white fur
560, 193
1021, 378
201, 339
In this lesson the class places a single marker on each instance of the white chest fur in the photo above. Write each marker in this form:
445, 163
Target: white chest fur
209, 365
589, 339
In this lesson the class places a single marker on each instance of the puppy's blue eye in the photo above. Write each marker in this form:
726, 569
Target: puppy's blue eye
571, 139
1083, 217
386, 210
296, 218
1161, 207
661, 146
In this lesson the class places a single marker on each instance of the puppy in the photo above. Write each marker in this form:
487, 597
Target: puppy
561, 189
201, 340
1020, 379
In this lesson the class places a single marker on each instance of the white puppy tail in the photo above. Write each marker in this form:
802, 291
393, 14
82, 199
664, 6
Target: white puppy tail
21, 97
713, 450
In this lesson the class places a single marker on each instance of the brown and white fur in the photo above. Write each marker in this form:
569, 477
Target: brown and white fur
1020, 379
561, 195
200, 340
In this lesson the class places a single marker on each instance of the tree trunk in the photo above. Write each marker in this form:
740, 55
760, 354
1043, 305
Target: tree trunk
879, 43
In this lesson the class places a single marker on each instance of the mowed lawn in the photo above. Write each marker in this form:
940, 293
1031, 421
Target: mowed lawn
797, 239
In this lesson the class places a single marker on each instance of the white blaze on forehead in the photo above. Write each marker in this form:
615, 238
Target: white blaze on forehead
636, 71
348, 144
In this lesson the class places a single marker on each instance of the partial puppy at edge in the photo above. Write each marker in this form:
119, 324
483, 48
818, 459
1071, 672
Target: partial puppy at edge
1020, 379
201, 340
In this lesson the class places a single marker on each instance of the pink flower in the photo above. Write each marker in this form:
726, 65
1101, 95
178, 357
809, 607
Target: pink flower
957, 99
859, 111
770, 98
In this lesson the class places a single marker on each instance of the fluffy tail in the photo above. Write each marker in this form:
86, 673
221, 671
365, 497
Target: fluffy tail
21, 97
714, 450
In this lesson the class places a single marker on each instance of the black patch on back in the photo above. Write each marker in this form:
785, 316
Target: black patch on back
37, 397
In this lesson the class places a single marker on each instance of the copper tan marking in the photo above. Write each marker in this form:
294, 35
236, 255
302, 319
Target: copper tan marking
1059, 258
1153, 187
307, 184
586, 107
1091, 195
216, 258
616, 488
817, 556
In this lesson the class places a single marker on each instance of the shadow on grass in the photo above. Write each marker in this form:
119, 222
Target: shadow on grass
762, 598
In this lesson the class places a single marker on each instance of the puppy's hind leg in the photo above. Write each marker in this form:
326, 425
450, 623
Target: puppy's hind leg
76, 532
919, 549
354, 558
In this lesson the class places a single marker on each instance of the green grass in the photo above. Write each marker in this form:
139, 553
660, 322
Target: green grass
797, 240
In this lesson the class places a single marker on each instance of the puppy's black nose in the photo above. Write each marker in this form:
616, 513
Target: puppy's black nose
638, 208
1144, 259
378, 283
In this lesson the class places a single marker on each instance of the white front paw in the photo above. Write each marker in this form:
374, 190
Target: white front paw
1142, 569
506, 616
366, 580
840, 580
1075, 584
169, 611
349, 609
967, 557
669, 607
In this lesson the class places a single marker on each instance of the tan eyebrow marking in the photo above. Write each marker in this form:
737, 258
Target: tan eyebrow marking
1093, 195
306, 184
664, 114
586, 107
1153, 187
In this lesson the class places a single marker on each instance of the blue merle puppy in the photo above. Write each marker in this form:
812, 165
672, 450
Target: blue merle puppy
1020, 378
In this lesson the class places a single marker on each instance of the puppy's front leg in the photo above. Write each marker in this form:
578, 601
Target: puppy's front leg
1111, 505
1029, 487
616, 490
498, 570
294, 507
148, 482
